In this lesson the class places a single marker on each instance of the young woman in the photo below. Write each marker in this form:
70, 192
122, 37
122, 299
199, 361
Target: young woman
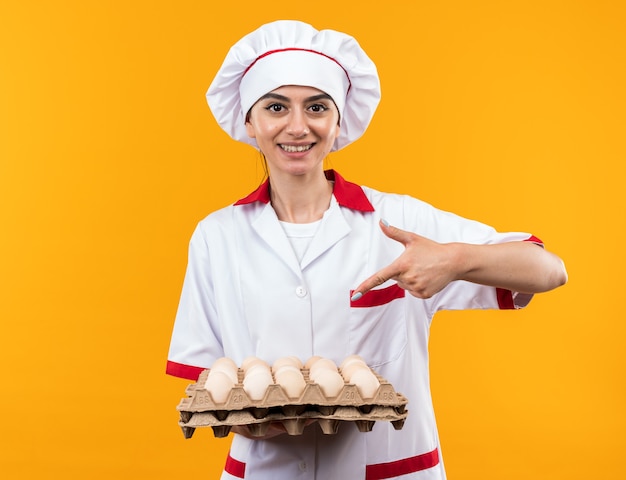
311, 264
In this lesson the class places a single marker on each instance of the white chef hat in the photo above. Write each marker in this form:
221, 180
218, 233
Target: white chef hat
288, 52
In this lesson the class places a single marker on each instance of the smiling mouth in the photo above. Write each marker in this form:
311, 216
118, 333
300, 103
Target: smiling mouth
296, 148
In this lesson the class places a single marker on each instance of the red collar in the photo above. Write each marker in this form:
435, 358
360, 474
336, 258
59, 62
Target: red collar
348, 194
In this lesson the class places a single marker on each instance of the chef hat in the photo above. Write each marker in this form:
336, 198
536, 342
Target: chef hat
288, 52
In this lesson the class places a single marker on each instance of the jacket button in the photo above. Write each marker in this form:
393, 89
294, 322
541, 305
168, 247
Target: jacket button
301, 291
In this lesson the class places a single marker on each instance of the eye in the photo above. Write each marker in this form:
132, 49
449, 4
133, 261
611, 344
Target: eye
275, 107
318, 108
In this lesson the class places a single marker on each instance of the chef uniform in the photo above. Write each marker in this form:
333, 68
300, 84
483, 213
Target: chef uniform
248, 292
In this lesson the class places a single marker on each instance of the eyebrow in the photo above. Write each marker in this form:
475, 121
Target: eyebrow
282, 98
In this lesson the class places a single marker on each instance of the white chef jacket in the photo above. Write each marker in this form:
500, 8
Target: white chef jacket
245, 293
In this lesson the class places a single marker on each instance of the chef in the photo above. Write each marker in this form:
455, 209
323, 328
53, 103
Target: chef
312, 264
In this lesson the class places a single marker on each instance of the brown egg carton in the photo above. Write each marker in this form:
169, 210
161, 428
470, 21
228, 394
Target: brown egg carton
200, 410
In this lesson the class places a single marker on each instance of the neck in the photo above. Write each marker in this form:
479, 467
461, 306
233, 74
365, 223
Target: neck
300, 199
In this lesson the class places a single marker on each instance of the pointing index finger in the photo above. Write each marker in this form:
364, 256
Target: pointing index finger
375, 280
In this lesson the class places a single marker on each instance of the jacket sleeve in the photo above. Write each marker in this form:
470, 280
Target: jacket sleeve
195, 341
446, 227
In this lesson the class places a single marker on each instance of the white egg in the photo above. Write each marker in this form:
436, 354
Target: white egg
348, 371
224, 361
352, 359
311, 361
231, 374
366, 383
330, 382
291, 381
226, 366
251, 361
283, 368
255, 383
322, 363
256, 368
219, 386
349, 358
292, 360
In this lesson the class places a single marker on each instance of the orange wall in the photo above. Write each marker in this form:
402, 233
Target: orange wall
508, 112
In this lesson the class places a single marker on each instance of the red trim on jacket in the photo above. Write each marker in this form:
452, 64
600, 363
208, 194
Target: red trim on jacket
405, 466
348, 194
381, 296
235, 467
378, 471
183, 371
505, 299
534, 239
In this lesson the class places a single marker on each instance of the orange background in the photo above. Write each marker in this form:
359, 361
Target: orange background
507, 112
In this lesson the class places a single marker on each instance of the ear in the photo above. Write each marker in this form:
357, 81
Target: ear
338, 126
337, 131
250, 129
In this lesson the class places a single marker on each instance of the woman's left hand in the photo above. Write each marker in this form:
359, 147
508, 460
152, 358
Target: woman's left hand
423, 269
426, 267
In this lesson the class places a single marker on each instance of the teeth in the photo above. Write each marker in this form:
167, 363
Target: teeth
296, 148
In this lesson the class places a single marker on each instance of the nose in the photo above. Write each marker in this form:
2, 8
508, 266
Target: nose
297, 124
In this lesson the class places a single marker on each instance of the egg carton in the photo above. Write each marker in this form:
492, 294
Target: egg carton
200, 410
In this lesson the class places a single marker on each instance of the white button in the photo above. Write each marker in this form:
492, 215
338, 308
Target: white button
302, 466
301, 291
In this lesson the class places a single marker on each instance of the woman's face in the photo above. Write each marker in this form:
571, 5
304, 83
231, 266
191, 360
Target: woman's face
295, 128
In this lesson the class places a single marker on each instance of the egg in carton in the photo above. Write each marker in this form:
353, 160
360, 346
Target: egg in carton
327, 394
